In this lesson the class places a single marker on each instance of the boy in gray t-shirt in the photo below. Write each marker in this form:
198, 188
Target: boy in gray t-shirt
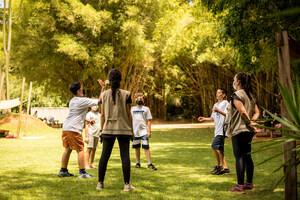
141, 117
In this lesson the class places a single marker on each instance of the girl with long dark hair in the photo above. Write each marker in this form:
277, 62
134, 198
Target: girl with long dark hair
116, 122
242, 109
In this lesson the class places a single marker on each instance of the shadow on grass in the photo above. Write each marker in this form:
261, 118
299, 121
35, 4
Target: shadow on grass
183, 157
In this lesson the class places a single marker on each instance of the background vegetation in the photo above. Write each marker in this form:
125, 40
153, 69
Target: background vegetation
177, 52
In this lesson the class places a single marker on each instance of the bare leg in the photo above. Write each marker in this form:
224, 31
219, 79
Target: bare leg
222, 159
65, 157
87, 156
147, 153
92, 157
81, 163
137, 154
217, 156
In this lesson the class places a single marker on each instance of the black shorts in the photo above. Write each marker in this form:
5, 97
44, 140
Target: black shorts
218, 143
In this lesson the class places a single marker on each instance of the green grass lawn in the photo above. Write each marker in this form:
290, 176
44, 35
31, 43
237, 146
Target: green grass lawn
183, 157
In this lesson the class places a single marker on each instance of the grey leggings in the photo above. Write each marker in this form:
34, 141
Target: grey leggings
241, 144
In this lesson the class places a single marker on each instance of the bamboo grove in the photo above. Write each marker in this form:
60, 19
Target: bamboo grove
177, 52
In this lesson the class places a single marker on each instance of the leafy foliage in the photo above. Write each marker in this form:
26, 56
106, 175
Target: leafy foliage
177, 52
251, 27
291, 130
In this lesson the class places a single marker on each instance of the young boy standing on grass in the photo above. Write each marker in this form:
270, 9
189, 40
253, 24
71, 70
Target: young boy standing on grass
72, 128
218, 116
141, 117
92, 130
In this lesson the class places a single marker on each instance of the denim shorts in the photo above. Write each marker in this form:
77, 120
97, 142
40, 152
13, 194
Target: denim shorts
218, 143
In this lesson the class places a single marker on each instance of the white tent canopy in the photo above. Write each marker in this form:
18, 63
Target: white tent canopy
9, 104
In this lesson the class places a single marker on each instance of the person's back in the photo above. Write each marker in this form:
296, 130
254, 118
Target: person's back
116, 117
236, 123
115, 124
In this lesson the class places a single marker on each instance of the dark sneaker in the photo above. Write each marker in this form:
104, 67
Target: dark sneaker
248, 186
151, 166
100, 186
64, 174
84, 175
216, 170
237, 189
224, 171
137, 165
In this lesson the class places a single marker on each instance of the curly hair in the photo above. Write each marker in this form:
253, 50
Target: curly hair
114, 77
245, 80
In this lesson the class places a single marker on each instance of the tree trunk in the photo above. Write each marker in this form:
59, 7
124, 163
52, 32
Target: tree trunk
7, 44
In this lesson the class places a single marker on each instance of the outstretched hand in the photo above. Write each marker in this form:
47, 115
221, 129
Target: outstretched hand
101, 82
200, 119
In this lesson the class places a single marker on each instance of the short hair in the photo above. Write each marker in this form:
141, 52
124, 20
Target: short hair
224, 91
139, 94
74, 87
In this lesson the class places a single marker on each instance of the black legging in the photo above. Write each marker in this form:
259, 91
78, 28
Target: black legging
108, 144
241, 144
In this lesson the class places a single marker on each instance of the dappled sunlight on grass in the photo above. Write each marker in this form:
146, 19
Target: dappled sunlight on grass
183, 157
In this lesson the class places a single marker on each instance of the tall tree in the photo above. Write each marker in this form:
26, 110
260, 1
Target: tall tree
82, 40
7, 42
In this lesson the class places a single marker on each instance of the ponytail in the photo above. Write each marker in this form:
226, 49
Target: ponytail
115, 78
245, 80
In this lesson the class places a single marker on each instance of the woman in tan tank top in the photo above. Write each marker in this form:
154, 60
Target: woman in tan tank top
116, 122
242, 109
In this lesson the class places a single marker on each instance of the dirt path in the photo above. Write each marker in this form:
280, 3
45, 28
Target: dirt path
195, 125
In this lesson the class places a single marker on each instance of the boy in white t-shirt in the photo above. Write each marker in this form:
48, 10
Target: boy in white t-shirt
218, 116
72, 128
141, 117
92, 130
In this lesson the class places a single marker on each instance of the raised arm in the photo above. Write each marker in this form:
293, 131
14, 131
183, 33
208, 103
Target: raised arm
102, 89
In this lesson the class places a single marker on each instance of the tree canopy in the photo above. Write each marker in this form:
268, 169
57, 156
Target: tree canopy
177, 52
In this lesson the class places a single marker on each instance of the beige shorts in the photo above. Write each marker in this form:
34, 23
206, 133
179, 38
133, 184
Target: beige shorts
93, 142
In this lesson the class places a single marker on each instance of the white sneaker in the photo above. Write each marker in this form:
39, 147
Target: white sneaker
84, 175
100, 186
128, 187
